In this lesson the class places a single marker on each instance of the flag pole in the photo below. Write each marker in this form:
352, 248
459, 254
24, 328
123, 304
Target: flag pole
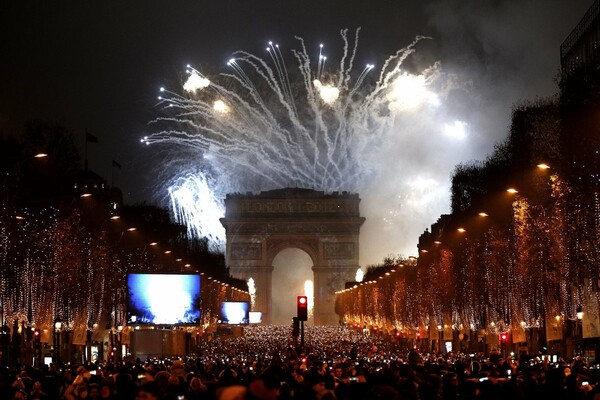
85, 162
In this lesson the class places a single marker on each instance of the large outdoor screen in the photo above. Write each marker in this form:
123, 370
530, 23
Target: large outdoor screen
255, 317
163, 299
234, 312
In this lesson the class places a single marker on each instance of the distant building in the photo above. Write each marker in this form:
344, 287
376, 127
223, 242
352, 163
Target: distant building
581, 49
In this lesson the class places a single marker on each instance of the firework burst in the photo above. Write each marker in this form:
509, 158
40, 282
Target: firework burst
266, 125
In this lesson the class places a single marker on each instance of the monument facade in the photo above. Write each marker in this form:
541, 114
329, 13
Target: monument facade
325, 226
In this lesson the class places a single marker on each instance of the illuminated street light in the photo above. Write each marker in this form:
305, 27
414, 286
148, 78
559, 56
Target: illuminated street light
115, 217
131, 229
512, 190
85, 195
543, 166
41, 155
437, 242
461, 230
153, 244
483, 214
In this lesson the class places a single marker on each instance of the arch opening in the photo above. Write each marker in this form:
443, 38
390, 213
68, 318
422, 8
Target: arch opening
292, 269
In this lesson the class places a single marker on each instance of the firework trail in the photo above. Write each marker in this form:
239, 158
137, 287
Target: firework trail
265, 125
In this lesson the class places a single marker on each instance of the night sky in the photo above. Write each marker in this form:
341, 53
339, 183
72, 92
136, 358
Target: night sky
97, 65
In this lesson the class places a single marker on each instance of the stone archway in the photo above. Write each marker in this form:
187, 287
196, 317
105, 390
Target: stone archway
292, 268
325, 226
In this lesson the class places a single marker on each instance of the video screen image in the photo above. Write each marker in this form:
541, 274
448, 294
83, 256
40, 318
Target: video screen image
255, 317
163, 299
234, 312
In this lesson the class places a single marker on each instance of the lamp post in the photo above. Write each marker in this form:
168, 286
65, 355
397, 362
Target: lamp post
119, 352
440, 336
57, 328
579, 329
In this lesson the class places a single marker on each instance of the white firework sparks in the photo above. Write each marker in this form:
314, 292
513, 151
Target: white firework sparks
265, 126
252, 291
359, 275
309, 292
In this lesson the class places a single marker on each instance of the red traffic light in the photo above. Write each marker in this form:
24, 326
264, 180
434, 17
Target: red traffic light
503, 337
302, 304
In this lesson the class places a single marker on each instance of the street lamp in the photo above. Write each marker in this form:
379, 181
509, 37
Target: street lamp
578, 330
440, 335
57, 328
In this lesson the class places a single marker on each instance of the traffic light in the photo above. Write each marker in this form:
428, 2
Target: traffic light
503, 337
302, 304
295, 327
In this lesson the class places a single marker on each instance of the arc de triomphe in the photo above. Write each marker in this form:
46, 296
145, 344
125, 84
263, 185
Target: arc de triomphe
326, 226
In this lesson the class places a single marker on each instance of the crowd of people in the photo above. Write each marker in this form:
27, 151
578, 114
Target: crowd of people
336, 363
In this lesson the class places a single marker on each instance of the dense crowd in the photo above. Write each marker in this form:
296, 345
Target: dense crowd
336, 363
